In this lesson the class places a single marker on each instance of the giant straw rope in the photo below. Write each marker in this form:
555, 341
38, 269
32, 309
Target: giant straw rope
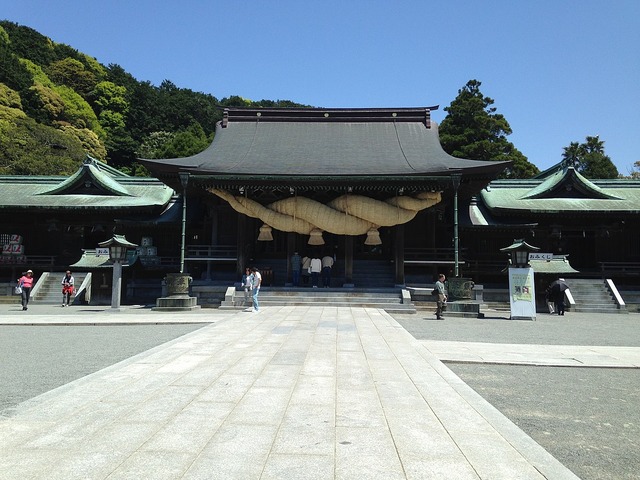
345, 215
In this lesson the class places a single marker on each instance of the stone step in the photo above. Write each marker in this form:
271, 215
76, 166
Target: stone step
324, 300
387, 299
325, 293
10, 299
592, 298
600, 306
607, 309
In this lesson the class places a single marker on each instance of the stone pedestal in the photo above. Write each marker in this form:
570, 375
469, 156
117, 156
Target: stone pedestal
177, 299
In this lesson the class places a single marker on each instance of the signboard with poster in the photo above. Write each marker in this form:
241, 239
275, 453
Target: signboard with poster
522, 295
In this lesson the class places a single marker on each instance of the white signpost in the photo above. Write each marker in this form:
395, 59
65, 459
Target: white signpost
102, 252
522, 294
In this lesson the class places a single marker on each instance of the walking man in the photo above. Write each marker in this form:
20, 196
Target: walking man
442, 296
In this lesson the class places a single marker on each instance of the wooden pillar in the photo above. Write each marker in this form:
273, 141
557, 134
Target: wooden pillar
291, 248
240, 245
214, 237
348, 261
399, 254
431, 225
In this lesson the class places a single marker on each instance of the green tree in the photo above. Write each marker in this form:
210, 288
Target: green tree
77, 111
109, 96
9, 98
72, 73
187, 142
28, 43
88, 139
472, 129
12, 72
154, 144
36, 73
45, 104
589, 159
31, 148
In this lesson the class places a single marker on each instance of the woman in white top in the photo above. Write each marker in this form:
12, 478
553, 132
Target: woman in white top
316, 268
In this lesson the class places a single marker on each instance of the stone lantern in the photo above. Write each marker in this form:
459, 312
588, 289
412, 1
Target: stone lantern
118, 246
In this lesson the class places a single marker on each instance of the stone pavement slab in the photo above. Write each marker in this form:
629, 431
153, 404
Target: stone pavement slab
290, 392
89, 315
523, 354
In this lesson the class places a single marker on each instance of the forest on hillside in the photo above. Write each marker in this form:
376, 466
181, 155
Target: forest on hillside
58, 104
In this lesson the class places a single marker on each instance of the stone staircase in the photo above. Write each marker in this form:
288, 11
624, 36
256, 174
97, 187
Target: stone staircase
366, 273
49, 290
592, 296
372, 273
393, 300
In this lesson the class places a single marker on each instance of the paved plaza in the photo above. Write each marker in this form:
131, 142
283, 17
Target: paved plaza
289, 392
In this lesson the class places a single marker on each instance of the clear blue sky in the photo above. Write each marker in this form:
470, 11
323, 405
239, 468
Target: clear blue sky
558, 70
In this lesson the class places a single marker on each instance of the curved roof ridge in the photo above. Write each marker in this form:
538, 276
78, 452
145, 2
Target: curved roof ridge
95, 172
567, 176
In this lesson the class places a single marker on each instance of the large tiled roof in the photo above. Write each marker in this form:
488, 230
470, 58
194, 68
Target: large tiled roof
326, 142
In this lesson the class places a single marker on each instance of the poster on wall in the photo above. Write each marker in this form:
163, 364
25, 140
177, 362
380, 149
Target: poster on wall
522, 295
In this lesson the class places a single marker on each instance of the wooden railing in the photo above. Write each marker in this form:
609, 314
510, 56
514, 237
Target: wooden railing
40, 261
432, 256
619, 268
211, 253
487, 266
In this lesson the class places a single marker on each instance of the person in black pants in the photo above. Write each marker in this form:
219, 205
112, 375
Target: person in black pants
26, 283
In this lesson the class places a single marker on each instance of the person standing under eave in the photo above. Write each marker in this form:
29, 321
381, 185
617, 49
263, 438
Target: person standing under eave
296, 266
316, 268
442, 296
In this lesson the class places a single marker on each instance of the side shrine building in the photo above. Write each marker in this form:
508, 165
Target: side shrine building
367, 186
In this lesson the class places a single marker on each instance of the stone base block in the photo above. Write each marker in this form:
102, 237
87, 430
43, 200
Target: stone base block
176, 303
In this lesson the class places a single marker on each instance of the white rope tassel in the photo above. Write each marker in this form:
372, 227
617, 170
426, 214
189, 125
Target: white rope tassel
373, 237
315, 238
265, 234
